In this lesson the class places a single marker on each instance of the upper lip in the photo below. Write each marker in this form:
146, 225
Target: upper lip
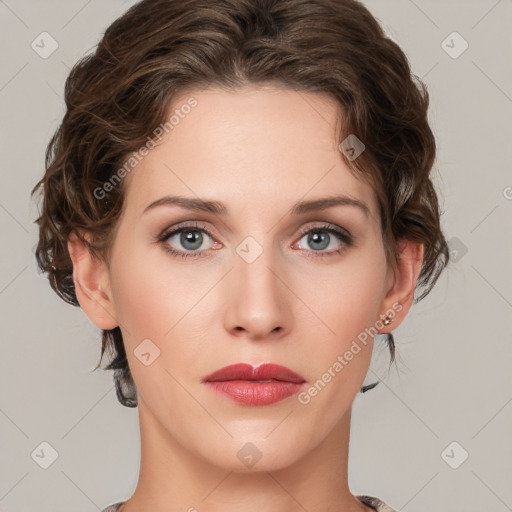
243, 371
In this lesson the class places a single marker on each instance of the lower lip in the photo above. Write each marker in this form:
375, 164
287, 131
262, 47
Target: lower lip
255, 393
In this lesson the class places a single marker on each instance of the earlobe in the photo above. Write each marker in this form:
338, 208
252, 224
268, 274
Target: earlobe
92, 284
400, 295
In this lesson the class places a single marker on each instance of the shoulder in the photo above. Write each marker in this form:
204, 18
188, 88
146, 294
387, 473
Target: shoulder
113, 508
375, 503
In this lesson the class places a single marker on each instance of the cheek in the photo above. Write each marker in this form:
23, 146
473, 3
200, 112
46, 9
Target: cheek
338, 366
157, 299
157, 305
138, 298
143, 297
347, 297
347, 301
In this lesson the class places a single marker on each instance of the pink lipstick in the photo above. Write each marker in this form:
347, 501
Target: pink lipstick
263, 385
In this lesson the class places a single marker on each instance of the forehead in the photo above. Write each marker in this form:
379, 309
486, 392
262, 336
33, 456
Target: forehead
253, 147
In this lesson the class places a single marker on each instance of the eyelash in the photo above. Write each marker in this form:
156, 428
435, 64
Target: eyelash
345, 237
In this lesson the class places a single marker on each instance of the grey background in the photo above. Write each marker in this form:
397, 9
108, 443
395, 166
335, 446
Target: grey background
454, 349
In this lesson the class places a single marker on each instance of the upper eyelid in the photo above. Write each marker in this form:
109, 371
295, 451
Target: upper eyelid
168, 232
182, 226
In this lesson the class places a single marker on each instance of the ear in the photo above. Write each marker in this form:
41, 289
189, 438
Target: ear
401, 284
92, 284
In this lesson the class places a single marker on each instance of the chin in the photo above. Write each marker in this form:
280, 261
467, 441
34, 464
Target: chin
253, 454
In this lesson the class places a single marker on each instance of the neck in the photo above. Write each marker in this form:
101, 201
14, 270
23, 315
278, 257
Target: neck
173, 478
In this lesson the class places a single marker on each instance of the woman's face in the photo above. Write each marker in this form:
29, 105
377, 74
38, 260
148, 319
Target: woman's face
263, 281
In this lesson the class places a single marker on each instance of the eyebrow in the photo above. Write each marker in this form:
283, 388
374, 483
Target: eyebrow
217, 208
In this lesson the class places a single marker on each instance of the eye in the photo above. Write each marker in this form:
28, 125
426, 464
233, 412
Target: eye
320, 238
191, 238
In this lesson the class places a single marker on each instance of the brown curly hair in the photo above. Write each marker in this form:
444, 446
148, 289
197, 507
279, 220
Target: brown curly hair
117, 95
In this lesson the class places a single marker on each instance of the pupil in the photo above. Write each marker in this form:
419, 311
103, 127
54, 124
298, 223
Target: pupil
191, 237
317, 237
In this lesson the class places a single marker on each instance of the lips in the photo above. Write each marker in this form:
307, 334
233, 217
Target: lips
248, 372
263, 385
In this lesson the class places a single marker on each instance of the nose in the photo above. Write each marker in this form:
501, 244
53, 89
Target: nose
258, 302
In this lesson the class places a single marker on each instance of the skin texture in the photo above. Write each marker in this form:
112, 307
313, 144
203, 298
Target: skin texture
258, 150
